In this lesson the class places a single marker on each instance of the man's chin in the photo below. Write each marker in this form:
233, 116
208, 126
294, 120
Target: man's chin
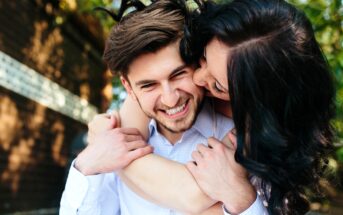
179, 126
175, 129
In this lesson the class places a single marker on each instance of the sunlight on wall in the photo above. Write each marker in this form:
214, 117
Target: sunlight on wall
59, 158
18, 160
21, 79
10, 122
44, 51
26, 82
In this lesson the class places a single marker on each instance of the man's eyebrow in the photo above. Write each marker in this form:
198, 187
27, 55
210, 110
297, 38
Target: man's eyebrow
149, 81
144, 82
177, 69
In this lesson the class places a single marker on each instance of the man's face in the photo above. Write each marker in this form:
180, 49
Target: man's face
163, 86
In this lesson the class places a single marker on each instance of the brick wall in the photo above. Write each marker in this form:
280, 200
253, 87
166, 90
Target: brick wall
36, 143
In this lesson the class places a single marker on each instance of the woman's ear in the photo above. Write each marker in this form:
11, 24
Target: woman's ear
127, 87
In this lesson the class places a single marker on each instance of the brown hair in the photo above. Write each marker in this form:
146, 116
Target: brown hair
146, 31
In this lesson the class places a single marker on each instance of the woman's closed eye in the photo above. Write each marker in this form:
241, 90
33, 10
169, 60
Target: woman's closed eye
218, 87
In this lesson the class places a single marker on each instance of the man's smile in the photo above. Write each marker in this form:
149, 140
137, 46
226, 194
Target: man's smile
179, 111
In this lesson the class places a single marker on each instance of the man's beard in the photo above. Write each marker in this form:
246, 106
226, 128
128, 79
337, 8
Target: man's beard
173, 129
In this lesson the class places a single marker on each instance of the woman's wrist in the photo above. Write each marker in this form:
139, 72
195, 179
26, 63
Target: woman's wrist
246, 196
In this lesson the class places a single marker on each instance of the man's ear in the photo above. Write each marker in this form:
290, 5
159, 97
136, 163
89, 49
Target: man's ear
127, 87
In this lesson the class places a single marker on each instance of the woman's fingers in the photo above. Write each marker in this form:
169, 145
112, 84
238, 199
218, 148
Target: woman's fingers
100, 123
130, 138
135, 144
226, 141
133, 155
191, 166
202, 149
130, 131
115, 118
213, 142
219, 145
196, 156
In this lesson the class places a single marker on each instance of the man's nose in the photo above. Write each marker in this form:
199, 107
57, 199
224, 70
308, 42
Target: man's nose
170, 96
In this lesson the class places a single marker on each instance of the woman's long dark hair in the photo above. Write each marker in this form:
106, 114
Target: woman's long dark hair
281, 91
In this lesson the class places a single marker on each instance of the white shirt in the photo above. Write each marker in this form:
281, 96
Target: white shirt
106, 194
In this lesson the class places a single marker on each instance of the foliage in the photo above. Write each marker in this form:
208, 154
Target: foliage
327, 19
86, 7
339, 153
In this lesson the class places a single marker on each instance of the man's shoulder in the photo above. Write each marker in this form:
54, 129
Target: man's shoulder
224, 120
224, 125
208, 112
211, 123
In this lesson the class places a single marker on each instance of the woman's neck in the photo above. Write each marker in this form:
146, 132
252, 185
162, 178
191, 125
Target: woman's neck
223, 107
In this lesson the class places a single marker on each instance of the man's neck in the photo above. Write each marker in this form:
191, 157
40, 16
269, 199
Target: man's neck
171, 136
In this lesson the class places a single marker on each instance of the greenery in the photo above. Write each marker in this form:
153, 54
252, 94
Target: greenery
327, 20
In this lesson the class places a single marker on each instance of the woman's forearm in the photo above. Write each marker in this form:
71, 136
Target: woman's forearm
157, 179
215, 209
132, 116
166, 183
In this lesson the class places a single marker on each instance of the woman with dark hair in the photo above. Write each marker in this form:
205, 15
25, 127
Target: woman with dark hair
262, 56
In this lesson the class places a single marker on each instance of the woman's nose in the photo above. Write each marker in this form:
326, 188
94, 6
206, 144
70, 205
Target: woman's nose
200, 74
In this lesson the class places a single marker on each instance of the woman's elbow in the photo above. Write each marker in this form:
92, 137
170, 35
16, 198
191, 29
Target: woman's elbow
195, 203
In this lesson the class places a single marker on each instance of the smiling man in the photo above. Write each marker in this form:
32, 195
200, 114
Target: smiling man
144, 49
162, 85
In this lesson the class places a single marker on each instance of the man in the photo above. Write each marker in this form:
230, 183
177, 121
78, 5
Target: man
144, 48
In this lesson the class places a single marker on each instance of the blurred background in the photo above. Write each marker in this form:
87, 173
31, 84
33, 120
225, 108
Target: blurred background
53, 81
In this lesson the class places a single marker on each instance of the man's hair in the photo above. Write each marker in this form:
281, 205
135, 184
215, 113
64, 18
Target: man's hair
146, 31
281, 91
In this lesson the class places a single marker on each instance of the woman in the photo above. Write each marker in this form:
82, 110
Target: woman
263, 56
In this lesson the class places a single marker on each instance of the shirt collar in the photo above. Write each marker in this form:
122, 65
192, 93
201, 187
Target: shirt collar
204, 123
153, 127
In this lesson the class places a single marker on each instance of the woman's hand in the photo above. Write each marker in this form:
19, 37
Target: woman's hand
101, 123
111, 151
220, 176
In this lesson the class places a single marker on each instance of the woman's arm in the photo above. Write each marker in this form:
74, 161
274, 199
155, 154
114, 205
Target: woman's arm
166, 183
132, 116
157, 179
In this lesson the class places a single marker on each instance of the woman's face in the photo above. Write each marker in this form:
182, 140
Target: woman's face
212, 73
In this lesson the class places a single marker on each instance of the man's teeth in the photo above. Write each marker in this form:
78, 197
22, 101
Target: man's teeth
175, 110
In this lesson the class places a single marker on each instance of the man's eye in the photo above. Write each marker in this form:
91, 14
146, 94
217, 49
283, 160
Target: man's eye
179, 74
145, 86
